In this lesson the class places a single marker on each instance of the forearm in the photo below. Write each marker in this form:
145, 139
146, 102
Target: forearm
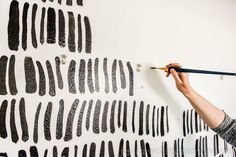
211, 115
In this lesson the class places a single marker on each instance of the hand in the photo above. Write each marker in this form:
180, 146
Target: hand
181, 79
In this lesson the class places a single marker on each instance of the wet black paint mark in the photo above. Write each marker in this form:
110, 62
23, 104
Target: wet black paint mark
71, 77
187, 121
14, 135
11, 76
162, 129
124, 126
24, 26
34, 151
97, 88
70, 120
42, 26
112, 117
80, 120
153, 121
136, 148
47, 122
80, 2
3, 109
61, 22
42, 79
90, 77
200, 146
175, 148
31, 85
158, 115
45, 153
110, 149
148, 150
13, 26
65, 152
164, 149
92, 151
71, 34
59, 128
184, 124
88, 35
88, 114
104, 116
96, 117
196, 122
121, 148
141, 118
127, 149
33, 31
55, 152
167, 119
147, 119
191, 122
24, 124
131, 79
82, 76
36, 119
52, 90
3, 66
122, 75
22, 153
51, 26
182, 147
143, 150
133, 117
102, 149
69, 2
58, 72
84, 154
113, 77
106, 75
200, 124
76, 151
79, 33
119, 114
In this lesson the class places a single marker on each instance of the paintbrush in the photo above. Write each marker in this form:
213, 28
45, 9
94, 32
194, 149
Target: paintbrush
177, 69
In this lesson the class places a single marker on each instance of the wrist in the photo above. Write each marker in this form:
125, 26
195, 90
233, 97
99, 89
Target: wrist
189, 93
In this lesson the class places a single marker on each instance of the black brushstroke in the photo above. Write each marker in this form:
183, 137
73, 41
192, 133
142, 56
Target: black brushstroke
70, 120
113, 76
141, 118
178, 148
88, 114
97, 88
42, 26
76, 151
61, 33
203, 147
84, 154
106, 75
45, 153
71, 34
3, 66
127, 149
200, 146
71, 77
133, 117
80, 2
217, 144
153, 121
136, 148
59, 127
121, 148
82, 76
13, 26
3, 109
65, 152
184, 124
122, 75
196, 148
191, 122
148, 149
21, 153
24, 124
102, 149
47, 122
143, 150
175, 148
147, 119
112, 117
182, 147
69, 2
92, 151
162, 129
187, 121
158, 115
58, 72
42, 79
90, 77
119, 113
34, 151
124, 126
196, 122
131, 79
14, 135
96, 117
165, 149
52, 90
51, 26
55, 152
36, 119
31, 85
24, 26
33, 31
80, 120
79, 33
110, 149
88, 35
167, 119
104, 116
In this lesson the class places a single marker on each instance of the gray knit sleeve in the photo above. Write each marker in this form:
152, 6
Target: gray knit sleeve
227, 130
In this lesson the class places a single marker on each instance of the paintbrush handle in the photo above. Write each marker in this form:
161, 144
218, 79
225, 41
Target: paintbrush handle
203, 71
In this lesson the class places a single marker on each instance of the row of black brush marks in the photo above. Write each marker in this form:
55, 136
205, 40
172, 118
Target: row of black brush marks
14, 28
89, 68
108, 117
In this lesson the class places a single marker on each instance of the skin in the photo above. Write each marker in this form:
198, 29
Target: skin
210, 114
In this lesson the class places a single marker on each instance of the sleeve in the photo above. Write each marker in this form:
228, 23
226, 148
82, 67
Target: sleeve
227, 130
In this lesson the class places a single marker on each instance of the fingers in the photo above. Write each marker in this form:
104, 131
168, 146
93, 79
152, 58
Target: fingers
172, 65
176, 77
